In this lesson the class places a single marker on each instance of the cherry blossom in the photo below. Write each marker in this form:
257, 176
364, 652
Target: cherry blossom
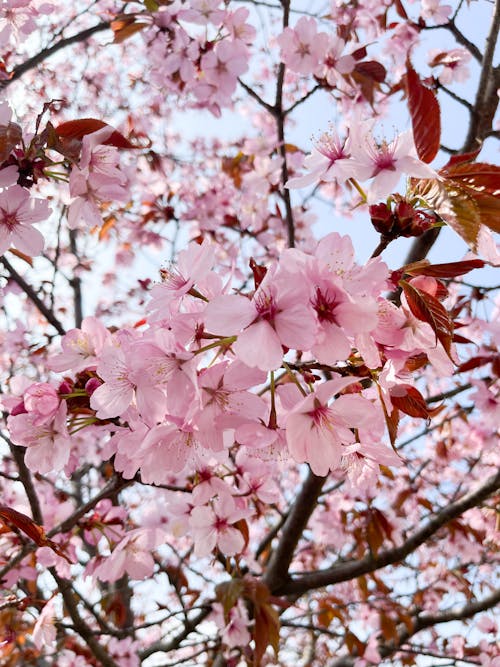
302, 47
18, 212
213, 527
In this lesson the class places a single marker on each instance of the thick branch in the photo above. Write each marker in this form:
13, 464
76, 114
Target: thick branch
277, 571
40, 57
482, 114
355, 568
33, 296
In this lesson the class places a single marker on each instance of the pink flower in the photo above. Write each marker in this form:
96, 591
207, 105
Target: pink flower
213, 527
42, 402
302, 47
234, 626
81, 347
222, 66
279, 314
454, 63
132, 555
192, 265
316, 430
435, 11
334, 63
387, 162
18, 212
328, 161
48, 444
16, 20
44, 632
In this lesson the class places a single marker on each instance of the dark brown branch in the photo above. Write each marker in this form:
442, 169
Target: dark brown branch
256, 97
76, 282
482, 113
33, 296
355, 568
175, 642
40, 57
66, 589
279, 114
486, 102
27, 481
462, 39
276, 574
113, 487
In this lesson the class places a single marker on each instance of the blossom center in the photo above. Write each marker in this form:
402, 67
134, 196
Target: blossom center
324, 304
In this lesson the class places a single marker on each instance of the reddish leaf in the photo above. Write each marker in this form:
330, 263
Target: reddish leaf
448, 270
258, 271
372, 69
425, 116
428, 309
391, 420
36, 533
10, 136
475, 362
126, 25
460, 158
481, 176
77, 129
21, 255
455, 204
409, 400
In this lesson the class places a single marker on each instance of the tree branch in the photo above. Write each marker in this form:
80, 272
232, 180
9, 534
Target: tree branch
280, 115
276, 574
355, 568
86, 633
40, 57
33, 296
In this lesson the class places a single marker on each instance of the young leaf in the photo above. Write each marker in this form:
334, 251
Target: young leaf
428, 309
11, 517
448, 270
409, 400
454, 204
425, 116
77, 129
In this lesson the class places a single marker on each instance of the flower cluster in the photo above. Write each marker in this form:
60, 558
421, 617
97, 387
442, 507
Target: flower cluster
178, 397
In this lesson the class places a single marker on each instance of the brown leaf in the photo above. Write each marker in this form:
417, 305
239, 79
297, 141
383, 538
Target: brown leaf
21, 255
10, 136
36, 533
480, 176
391, 420
126, 25
425, 116
455, 205
408, 399
428, 309
77, 129
448, 270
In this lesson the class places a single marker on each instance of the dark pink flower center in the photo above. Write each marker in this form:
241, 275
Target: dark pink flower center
324, 304
320, 415
266, 307
8, 219
384, 159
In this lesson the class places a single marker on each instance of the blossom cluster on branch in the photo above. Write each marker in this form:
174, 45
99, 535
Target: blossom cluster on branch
227, 440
